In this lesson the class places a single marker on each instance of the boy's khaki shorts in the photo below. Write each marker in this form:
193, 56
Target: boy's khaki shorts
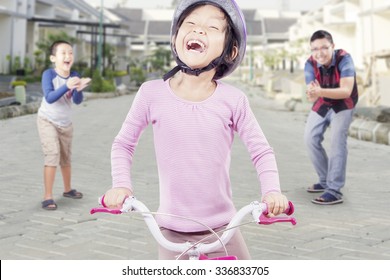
56, 142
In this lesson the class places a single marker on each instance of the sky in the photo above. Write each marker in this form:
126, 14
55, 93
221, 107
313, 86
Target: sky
293, 5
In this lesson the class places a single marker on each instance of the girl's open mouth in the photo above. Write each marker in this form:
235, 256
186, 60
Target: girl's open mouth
195, 45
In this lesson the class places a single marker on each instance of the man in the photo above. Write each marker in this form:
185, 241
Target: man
331, 85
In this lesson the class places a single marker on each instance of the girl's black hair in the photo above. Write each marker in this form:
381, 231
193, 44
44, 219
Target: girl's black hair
231, 38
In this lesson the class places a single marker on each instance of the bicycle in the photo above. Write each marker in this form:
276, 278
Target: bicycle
198, 250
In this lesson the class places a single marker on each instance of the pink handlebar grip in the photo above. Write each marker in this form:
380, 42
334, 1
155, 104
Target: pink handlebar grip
290, 210
104, 209
264, 220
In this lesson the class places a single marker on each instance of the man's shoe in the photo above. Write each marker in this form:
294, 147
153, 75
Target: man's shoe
327, 199
316, 188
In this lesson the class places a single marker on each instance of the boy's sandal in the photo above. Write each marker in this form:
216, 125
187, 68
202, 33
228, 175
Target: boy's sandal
73, 194
316, 188
49, 204
327, 199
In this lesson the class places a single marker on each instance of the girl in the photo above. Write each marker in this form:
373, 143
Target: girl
194, 118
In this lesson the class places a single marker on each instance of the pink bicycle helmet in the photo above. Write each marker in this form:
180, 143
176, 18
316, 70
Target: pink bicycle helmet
237, 20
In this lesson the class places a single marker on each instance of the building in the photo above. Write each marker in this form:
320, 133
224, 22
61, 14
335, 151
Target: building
23, 23
13, 22
133, 33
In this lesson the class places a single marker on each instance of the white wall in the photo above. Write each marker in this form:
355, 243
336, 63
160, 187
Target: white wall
13, 29
5, 26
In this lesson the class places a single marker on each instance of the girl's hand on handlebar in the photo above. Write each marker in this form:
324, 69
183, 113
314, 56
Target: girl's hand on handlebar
277, 203
114, 197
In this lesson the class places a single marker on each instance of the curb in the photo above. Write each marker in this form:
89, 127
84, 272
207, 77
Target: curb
32, 108
297, 106
95, 95
372, 131
19, 110
361, 129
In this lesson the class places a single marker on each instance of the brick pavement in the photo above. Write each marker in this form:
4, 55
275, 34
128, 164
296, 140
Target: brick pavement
358, 229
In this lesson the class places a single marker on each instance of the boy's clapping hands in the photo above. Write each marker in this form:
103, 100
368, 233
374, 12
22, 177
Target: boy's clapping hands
78, 83
84, 82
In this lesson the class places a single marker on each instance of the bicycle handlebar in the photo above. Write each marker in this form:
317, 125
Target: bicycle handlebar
257, 209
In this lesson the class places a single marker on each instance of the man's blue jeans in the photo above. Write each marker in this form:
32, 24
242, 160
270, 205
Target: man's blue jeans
330, 169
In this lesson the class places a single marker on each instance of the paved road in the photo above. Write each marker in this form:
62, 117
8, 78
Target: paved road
358, 229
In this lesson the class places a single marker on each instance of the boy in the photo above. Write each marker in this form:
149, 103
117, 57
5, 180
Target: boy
61, 87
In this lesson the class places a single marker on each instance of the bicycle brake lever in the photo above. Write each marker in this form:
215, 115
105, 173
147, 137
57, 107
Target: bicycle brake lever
105, 210
126, 207
264, 220
290, 210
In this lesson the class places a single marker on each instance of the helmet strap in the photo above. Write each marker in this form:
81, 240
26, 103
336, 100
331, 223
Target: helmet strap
171, 73
195, 72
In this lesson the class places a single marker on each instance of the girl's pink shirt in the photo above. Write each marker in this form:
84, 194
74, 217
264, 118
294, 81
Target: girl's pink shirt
193, 142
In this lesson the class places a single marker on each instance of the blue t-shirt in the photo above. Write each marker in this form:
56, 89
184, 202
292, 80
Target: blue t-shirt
346, 68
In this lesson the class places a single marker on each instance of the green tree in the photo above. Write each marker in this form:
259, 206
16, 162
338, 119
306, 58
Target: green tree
14, 62
137, 74
17, 64
39, 58
110, 54
99, 84
296, 50
27, 65
269, 58
160, 59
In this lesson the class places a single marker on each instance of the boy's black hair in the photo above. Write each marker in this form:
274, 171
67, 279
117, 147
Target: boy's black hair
321, 34
231, 39
53, 47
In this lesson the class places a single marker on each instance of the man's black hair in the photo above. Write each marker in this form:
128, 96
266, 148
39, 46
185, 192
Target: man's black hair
321, 34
